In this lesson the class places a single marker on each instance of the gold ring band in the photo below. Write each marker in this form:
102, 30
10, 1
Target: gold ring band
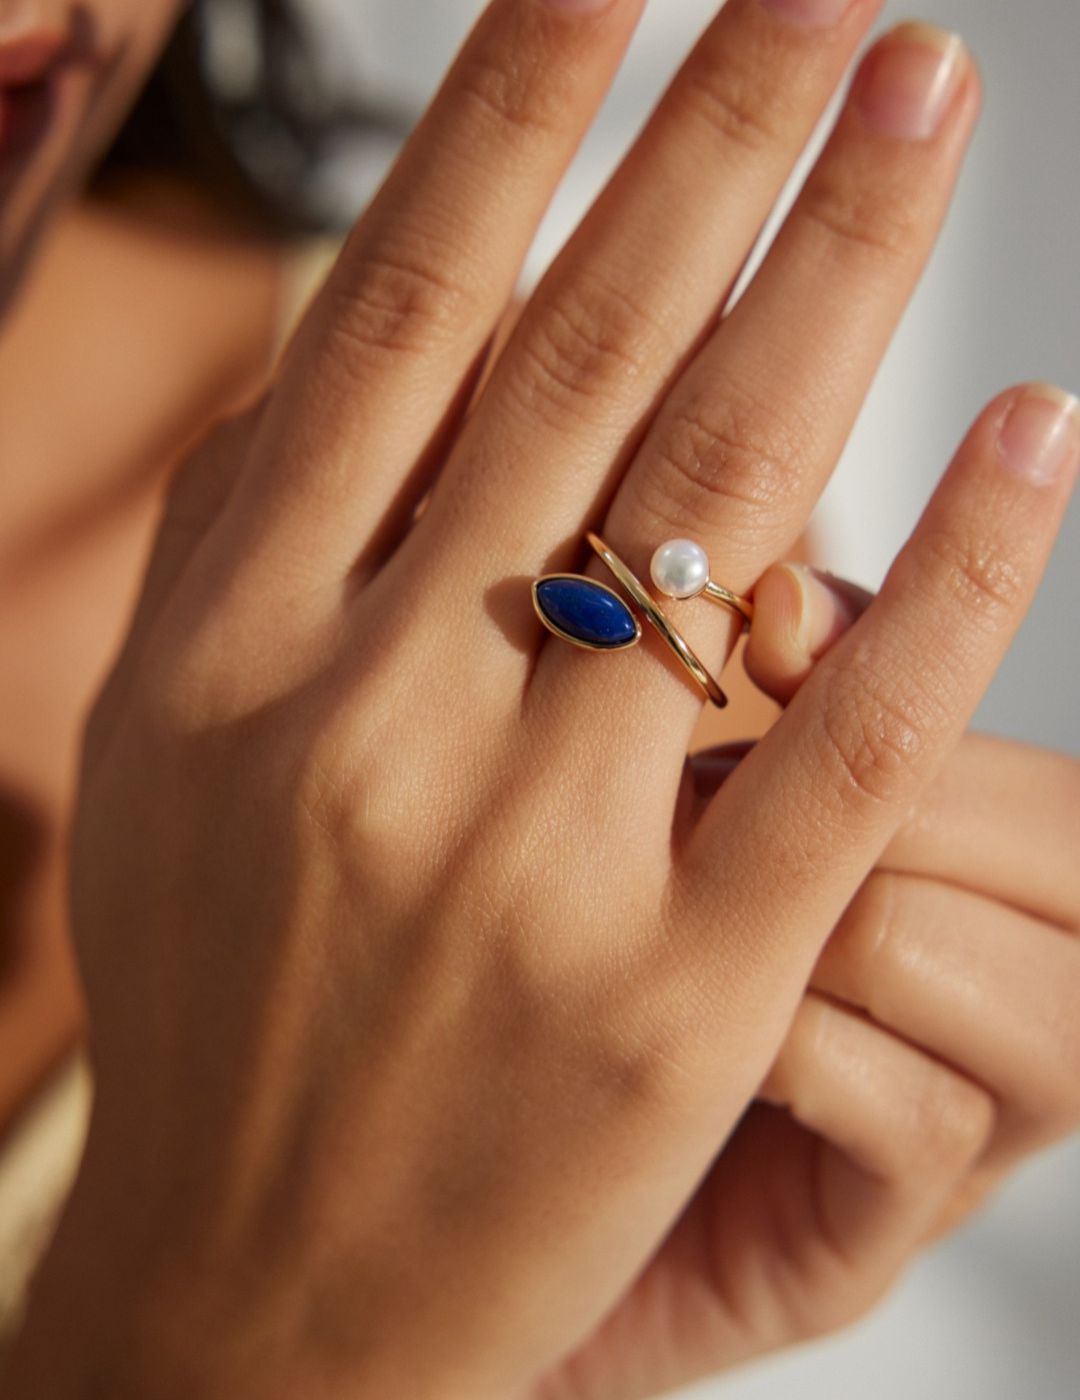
717, 593
659, 619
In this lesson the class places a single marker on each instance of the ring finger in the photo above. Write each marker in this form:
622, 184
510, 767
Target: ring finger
747, 438
628, 301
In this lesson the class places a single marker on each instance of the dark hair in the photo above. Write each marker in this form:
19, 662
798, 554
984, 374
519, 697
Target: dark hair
256, 139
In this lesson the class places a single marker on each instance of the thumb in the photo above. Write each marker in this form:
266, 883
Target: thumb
799, 612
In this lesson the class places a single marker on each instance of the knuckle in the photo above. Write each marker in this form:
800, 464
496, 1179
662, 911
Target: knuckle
589, 339
873, 733
950, 1122
640, 1063
731, 105
975, 573
865, 942
646, 1048
857, 218
727, 464
347, 795
509, 93
392, 305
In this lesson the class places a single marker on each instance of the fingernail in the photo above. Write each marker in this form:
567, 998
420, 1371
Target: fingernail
824, 610
809, 14
907, 82
1039, 440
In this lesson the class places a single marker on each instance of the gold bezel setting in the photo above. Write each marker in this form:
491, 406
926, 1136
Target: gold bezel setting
557, 631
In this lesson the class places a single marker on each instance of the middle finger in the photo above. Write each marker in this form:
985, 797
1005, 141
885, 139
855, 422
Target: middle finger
630, 297
747, 439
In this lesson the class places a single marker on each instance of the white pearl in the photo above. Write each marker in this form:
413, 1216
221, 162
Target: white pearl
680, 569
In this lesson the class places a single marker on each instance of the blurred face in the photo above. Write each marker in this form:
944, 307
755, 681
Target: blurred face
69, 71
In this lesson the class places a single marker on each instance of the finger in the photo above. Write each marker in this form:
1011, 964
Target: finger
196, 498
799, 612
817, 800
900, 1131
1001, 818
857, 1148
988, 990
748, 437
390, 347
634, 292
973, 1193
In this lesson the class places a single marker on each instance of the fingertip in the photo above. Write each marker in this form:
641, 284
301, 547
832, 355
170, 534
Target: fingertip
776, 655
798, 614
779, 602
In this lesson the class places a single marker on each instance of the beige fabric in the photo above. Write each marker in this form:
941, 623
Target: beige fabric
38, 1161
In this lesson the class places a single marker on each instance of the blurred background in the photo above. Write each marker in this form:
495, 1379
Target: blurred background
995, 1313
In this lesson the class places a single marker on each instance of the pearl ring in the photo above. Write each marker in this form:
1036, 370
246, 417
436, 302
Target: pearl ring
591, 615
680, 569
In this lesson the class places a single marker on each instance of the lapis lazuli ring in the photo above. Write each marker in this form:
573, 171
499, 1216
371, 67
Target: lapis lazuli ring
590, 614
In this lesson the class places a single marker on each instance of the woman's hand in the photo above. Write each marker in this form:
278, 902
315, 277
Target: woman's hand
962, 943
937, 1046
423, 993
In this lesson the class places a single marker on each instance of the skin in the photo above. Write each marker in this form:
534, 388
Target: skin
81, 490
108, 47
657, 1093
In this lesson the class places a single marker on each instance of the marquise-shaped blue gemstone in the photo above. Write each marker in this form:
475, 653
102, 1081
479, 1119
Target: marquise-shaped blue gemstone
586, 611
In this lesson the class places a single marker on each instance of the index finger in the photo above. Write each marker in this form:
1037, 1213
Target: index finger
796, 828
379, 365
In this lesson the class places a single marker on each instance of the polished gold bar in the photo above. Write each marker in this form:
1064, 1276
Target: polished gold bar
660, 621
717, 593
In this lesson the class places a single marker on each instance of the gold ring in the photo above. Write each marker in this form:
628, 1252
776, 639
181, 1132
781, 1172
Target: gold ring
680, 569
660, 620
591, 615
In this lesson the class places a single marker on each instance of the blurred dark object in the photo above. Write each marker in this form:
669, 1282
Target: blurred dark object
238, 105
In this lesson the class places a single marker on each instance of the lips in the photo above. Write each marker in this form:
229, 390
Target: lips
28, 65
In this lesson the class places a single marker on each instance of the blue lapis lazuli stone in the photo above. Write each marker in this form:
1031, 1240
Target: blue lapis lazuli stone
586, 611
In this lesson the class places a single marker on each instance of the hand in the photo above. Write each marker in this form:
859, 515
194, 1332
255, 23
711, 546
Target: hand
962, 942
416, 1030
937, 1046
